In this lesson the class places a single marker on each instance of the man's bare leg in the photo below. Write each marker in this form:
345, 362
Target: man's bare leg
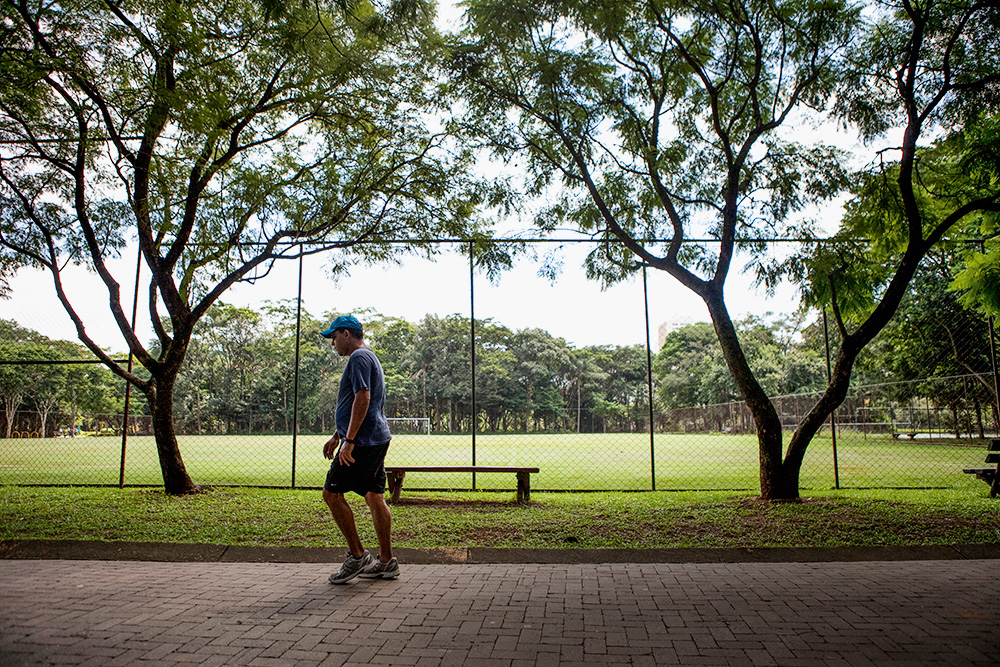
344, 517
382, 518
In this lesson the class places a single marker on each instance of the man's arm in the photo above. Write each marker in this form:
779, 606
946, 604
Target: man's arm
359, 411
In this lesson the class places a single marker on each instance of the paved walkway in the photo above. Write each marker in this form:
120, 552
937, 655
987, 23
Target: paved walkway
878, 612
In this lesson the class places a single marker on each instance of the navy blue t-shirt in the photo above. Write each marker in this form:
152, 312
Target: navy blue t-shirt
363, 371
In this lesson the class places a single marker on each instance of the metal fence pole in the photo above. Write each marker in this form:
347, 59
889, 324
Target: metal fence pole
649, 382
472, 349
993, 362
996, 374
128, 385
833, 418
295, 384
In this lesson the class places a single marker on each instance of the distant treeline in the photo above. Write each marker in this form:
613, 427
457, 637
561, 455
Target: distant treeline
240, 371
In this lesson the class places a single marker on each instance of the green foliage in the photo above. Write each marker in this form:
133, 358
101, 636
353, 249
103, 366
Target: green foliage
933, 336
979, 281
931, 68
239, 373
854, 267
688, 365
219, 136
49, 388
650, 120
955, 44
216, 132
691, 370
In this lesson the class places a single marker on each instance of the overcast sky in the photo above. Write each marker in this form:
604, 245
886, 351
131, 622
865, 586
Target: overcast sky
572, 308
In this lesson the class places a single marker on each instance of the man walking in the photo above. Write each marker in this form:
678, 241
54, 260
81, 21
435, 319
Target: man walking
358, 449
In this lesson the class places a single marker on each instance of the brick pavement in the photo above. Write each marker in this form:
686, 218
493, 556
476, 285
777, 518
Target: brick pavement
111, 613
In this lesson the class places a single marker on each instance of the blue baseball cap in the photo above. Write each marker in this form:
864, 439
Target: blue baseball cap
342, 322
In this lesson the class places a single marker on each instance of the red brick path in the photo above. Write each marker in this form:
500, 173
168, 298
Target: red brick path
107, 613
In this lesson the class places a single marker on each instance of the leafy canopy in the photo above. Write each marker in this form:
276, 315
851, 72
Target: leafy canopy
656, 120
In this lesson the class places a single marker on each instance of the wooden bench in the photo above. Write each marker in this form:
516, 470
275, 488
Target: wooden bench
989, 475
395, 475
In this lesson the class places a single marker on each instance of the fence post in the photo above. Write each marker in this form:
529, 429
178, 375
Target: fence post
833, 419
996, 375
472, 350
649, 381
128, 385
993, 361
295, 383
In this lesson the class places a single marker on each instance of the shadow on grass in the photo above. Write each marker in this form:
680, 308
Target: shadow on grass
476, 504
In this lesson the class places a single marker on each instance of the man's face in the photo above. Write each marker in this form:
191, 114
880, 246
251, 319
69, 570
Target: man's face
339, 341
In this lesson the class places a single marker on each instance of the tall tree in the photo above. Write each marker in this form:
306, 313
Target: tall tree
663, 119
660, 120
688, 368
541, 358
441, 350
218, 136
692, 371
585, 375
932, 69
499, 396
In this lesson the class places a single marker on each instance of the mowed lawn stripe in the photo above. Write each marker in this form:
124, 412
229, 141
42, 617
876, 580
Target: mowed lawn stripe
590, 461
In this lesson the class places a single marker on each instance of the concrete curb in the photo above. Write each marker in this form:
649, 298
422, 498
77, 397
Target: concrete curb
201, 553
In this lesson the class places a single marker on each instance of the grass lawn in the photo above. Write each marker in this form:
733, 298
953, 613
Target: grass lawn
297, 517
567, 461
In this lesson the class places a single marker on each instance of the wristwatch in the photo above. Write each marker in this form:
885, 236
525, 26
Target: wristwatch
350, 441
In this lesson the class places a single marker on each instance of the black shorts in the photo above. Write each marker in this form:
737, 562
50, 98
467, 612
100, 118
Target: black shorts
366, 475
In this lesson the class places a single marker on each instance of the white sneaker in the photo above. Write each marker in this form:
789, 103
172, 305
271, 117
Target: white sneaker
351, 568
379, 570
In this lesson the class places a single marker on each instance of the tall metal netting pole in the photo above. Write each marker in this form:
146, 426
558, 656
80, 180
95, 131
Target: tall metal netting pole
833, 415
128, 385
295, 383
649, 382
472, 350
993, 361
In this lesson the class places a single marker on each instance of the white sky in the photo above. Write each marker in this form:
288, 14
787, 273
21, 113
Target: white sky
572, 308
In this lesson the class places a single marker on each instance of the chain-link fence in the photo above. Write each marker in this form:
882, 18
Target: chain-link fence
922, 404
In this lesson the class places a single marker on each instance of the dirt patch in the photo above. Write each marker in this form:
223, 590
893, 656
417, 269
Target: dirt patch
464, 504
486, 536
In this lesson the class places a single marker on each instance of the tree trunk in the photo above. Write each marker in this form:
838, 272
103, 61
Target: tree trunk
10, 405
284, 408
161, 403
777, 481
44, 418
831, 399
579, 394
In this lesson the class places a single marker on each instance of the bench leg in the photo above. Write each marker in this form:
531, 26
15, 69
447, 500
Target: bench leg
395, 484
523, 487
995, 484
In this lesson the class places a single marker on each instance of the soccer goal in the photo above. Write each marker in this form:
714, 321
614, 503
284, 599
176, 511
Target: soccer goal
412, 425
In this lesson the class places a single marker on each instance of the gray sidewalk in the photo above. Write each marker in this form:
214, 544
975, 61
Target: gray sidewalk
191, 611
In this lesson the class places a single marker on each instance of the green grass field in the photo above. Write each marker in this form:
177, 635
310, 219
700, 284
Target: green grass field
567, 461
